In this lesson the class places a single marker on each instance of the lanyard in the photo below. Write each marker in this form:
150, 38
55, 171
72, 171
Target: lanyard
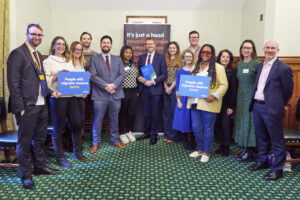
37, 62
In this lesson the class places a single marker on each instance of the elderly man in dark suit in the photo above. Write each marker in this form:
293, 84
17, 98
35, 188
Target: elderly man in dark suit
107, 74
273, 89
28, 90
151, 90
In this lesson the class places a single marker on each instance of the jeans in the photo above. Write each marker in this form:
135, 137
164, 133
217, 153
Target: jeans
203, 123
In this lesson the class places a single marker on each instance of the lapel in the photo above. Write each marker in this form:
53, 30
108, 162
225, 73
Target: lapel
103, 63
29, 58
154, 60
272, 71
259, 69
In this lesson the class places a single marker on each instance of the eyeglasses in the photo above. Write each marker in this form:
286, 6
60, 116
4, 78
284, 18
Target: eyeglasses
194, 38
208, 53
188, 56
247, 48
36, 35
78, 50
270, 48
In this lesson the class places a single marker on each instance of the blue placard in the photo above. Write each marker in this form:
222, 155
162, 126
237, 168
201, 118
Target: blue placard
74, 83
194, 86
148, 72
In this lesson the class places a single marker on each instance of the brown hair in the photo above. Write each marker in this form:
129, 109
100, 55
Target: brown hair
253, 55
177, 60
66, 54
81, 58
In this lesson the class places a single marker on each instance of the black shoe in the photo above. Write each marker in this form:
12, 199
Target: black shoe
273, 175
45, 171
142, 137
258, 166
64, 162
28, 183
80, 157
226, 150
247, 157
153, 141
220, 150
241, 153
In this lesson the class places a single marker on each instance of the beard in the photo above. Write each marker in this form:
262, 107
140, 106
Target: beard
105, 50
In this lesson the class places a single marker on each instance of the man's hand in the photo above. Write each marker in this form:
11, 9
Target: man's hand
22, 112
109, 88
56, 94
149, 83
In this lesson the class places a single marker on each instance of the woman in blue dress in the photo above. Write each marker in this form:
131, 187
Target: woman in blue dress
182, 116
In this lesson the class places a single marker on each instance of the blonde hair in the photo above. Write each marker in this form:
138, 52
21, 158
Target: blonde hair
81, 58
183, 54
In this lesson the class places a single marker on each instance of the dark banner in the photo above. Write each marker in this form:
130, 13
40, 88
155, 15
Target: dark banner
135, 35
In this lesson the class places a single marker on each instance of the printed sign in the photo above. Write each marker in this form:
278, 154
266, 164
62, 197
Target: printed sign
194, 86
74, 83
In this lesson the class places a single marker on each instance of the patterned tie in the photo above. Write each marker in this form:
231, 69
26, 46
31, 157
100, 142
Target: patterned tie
107, 63
149, 59
43, 83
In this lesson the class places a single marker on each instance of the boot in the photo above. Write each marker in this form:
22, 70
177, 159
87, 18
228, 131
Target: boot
226, 150
77, 149
184, 139
191, 141
220, 150
248, 156
59, 151
241, 153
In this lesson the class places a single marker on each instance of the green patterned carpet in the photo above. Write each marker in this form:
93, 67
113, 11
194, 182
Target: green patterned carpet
162, 171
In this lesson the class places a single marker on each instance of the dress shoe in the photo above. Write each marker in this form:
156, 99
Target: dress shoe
130, 136
80, 157
219, 150
153, 141
273, 175
27, 183
142, 137
94, 149
247, 157
45, 171
241, 153
226, 151
63, 162
258, 166
165, 140
119, 145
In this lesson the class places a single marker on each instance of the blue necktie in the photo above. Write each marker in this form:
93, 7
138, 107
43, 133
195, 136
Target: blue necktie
44, 88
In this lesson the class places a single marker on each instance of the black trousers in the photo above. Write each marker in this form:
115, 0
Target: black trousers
128, 110
61, 110
223, 129
31, 139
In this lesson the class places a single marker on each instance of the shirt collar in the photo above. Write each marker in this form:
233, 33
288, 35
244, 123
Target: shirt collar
30, 47
270, 63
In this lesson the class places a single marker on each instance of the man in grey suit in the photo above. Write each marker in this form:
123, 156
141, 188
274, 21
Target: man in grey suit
107, 74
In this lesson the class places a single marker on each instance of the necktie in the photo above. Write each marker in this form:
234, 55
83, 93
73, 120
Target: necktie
149, 59
107, 63
44, 89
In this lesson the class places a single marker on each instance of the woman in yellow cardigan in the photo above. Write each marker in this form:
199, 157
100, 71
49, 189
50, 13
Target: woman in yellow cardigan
204, 110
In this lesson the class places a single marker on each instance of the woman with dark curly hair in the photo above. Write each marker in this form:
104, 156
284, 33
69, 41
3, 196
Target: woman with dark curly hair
129, 103
223, 128
204, 110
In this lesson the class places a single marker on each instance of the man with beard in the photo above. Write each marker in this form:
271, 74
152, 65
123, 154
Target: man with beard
86, 39
107, 74
28, 90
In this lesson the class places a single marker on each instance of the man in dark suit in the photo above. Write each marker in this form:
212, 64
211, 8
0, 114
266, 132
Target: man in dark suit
107, 74
151, 90
273, 89
28, 90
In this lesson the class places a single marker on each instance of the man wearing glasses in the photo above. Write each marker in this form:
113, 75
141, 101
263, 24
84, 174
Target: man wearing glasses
194, 44
28, 90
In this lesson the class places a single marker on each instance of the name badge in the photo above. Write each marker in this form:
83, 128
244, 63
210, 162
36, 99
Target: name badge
245, 71
126, 68
42, 77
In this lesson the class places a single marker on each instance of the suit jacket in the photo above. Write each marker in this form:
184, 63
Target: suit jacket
160, 68
101, 76
229, 99
23, 79
278, 89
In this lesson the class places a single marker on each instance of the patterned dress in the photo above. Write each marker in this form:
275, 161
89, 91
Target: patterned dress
244, 134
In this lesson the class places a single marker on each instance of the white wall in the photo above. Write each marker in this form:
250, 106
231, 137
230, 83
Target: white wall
287, 27
26, 12
252, 27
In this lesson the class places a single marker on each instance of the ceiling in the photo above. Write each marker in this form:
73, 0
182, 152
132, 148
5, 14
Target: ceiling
146, 5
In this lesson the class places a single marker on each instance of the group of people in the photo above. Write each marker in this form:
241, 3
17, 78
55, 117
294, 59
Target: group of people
118, 84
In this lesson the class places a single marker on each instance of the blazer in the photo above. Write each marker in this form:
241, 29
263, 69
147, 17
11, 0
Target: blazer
160, 68
101, 76
229, 99
278, 89
22, 79
220, 89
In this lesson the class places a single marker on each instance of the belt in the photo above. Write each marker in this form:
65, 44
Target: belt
259, 101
